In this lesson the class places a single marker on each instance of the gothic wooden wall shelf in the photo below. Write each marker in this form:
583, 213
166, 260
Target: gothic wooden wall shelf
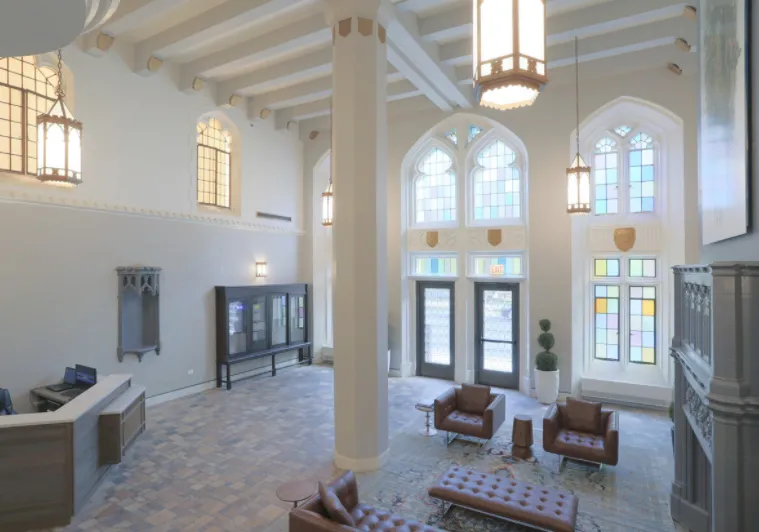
139, 331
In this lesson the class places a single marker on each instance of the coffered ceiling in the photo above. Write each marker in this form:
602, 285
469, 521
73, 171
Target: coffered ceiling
275, 57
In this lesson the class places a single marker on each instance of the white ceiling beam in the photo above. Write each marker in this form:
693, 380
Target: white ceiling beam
311, 91
612, 16
464, 73
285, 74
420, 64
210, 26
460, 52
275, 45
402, 90
559, 7
133, 14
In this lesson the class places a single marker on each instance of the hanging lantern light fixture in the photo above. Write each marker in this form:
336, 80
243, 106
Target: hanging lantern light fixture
59, 141
327, 197
578, 175
509, 52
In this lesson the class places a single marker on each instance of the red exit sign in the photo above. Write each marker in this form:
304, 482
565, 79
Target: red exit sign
496, 269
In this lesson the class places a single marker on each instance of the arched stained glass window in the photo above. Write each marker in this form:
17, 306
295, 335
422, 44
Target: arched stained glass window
474, 131
435, 188
497, 192
606, 174
214, 154
623, 131
642, 190
25, 93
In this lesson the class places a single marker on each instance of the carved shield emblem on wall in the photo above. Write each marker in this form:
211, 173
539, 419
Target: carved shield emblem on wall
432, 238
624, 238
494, 237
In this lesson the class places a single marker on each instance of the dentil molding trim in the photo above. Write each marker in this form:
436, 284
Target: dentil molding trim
13, 196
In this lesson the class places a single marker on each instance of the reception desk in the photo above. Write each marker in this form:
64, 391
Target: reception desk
50, 463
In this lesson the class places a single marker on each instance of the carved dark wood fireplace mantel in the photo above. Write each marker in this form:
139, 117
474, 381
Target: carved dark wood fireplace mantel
716, 413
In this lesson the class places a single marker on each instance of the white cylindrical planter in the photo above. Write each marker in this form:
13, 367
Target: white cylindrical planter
547, 386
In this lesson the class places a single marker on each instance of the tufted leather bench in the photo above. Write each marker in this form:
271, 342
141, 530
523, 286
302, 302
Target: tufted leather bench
527, 504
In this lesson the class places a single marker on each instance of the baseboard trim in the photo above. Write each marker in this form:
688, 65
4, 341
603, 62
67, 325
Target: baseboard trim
178, 394
360, 465
629, 394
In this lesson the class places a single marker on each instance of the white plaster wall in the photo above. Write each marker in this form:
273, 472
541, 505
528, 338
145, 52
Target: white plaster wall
544, 128
57, 279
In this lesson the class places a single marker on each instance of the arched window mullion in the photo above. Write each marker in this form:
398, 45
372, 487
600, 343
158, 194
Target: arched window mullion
434, 186
213, 164
496, 182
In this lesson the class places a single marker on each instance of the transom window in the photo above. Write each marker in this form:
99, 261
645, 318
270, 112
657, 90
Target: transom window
434, 265
25, 93
435, 188
214, 155
624, 170
625, 305
497, 192
497, 266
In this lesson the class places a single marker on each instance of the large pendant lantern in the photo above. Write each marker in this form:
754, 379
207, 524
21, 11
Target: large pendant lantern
59, 141
509, 52
578, 175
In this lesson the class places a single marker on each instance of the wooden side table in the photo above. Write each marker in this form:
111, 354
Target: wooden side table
521, 437
428, 407
296, 491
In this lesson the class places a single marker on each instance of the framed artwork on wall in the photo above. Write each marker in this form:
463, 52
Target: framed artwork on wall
725, 128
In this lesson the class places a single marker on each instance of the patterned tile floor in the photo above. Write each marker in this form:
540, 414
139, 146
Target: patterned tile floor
212, 462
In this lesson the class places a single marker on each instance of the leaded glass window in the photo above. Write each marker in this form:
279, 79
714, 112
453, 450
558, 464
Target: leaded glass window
643, 268
473, 132
214, 155
643, 324
606, 267
507, 265
641, 173
623, 131
432, 266
606, 173
606, 306
451, 135
25, 93
435, 188
497, 191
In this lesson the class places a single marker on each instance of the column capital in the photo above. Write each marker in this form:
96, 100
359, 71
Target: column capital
379, 10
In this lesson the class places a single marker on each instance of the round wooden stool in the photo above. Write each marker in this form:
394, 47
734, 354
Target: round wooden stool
296, 491
521, 437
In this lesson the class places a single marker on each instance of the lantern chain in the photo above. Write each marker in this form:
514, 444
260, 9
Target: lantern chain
577, 93
59, 89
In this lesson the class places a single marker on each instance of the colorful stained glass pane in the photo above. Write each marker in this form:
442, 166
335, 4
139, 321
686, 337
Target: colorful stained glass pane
623, 131
512, 264
473, 132
643, 324
451, 135
497, 192
606, 176
643, 268
606, 268
435, 188
443, 266
606, 311
642, 189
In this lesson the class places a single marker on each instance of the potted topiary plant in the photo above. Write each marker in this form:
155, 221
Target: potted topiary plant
546, 366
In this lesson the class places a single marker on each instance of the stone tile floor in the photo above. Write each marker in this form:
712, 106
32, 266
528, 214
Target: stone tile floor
213, 461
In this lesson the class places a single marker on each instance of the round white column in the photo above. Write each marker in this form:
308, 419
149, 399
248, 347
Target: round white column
359, 151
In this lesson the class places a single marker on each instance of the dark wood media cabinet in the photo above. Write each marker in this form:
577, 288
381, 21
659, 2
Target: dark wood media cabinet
258, 321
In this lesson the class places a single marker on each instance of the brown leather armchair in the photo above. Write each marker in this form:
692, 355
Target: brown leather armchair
313, 516
581, 430
470, 410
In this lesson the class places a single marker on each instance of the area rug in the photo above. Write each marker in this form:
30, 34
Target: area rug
632, 497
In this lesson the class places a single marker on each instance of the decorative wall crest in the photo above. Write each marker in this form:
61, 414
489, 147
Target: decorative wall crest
624, 238
494, 237
432, 238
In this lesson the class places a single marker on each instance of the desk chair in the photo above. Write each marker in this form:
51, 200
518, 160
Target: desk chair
6, 405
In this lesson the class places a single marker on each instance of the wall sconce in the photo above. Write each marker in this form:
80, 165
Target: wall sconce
262, 269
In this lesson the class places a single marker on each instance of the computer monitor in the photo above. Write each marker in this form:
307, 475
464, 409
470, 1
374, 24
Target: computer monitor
70, 376
86, 376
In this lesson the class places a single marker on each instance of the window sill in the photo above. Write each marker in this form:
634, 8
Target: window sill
29, 181
218, 211
496, 224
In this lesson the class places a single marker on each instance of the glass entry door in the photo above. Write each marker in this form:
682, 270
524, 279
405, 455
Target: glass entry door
435, 329
497, 334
